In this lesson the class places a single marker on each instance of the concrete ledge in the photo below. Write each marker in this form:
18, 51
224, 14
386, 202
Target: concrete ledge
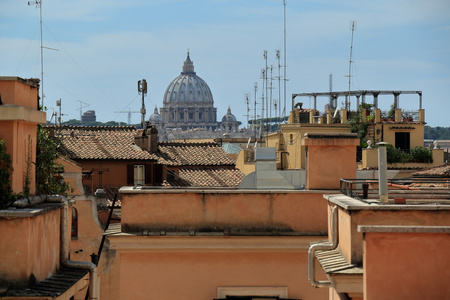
29, 212
14, 113
403, 229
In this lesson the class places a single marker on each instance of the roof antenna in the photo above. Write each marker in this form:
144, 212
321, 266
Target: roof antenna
142, 89
347, 99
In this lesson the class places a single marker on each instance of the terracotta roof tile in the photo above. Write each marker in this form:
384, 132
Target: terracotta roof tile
440, 171
210, 177
107, 143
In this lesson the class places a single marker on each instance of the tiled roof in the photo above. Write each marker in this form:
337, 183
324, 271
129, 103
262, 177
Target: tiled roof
98, 142
208, 177
440, 171
106, 143
50, 288
193, 154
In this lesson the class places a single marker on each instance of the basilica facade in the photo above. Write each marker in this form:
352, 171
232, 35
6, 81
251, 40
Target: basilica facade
188, 108
188, 102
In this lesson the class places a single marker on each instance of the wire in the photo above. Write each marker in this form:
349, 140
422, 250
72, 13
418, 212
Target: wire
82, 70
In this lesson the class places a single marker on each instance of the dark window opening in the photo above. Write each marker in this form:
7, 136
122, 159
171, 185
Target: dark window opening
74, 232
402, 141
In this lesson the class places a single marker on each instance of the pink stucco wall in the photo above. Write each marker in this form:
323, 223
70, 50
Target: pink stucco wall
298, 211
29, 247
406, 266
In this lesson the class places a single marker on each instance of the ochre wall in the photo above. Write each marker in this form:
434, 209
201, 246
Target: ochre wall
299, 211
292, 135
196, 275
29, 247
416, 133
406, 266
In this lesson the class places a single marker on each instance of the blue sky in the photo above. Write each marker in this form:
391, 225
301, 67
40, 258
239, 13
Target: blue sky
105, 47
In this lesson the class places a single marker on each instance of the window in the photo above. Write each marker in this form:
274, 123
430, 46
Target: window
139, 174
402, 141
74, 232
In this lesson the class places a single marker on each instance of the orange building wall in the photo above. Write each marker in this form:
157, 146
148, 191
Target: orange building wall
406, 266
18, 91
328, 161
197, 275
299, 211
35, 242
114, 172
18, 120
351, 241
20, 140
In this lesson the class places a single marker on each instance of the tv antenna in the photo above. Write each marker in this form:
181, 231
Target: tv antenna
142, 90
254, 111
247, 103
81, 107
129, 112
347, 99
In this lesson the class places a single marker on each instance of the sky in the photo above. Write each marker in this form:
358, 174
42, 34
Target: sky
104, 47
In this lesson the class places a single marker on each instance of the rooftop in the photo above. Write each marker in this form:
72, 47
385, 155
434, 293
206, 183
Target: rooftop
117, 143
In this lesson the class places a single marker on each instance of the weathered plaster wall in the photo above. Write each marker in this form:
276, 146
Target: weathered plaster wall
406, 266
29, 247
177, 275
300, 211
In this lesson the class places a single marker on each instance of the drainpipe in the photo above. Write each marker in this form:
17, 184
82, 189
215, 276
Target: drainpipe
323, 247
64, 250
382, 172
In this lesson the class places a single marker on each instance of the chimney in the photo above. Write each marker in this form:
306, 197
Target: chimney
148, 140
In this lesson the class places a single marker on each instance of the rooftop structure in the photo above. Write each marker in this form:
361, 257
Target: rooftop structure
375, 246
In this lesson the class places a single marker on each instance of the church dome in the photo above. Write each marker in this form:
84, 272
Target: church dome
155, 118
188, 87
229, 117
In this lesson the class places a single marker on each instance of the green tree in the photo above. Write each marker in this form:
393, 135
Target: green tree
48, 171
6, 194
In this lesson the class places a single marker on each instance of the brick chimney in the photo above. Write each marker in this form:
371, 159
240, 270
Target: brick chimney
148, 140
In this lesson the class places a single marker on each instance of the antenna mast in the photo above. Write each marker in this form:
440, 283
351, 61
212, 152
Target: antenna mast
254, 111
81, 107
347, 102
279, 85
248, 109
142, 89
263, 74
284, 79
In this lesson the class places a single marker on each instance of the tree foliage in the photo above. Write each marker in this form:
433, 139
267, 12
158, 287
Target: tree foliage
437, 133
6, 194
48, 171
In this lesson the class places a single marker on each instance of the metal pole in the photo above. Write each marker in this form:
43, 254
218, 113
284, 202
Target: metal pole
284, 79
382, 172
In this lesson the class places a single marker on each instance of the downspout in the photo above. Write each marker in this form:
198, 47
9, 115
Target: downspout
64, 249
323, 247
